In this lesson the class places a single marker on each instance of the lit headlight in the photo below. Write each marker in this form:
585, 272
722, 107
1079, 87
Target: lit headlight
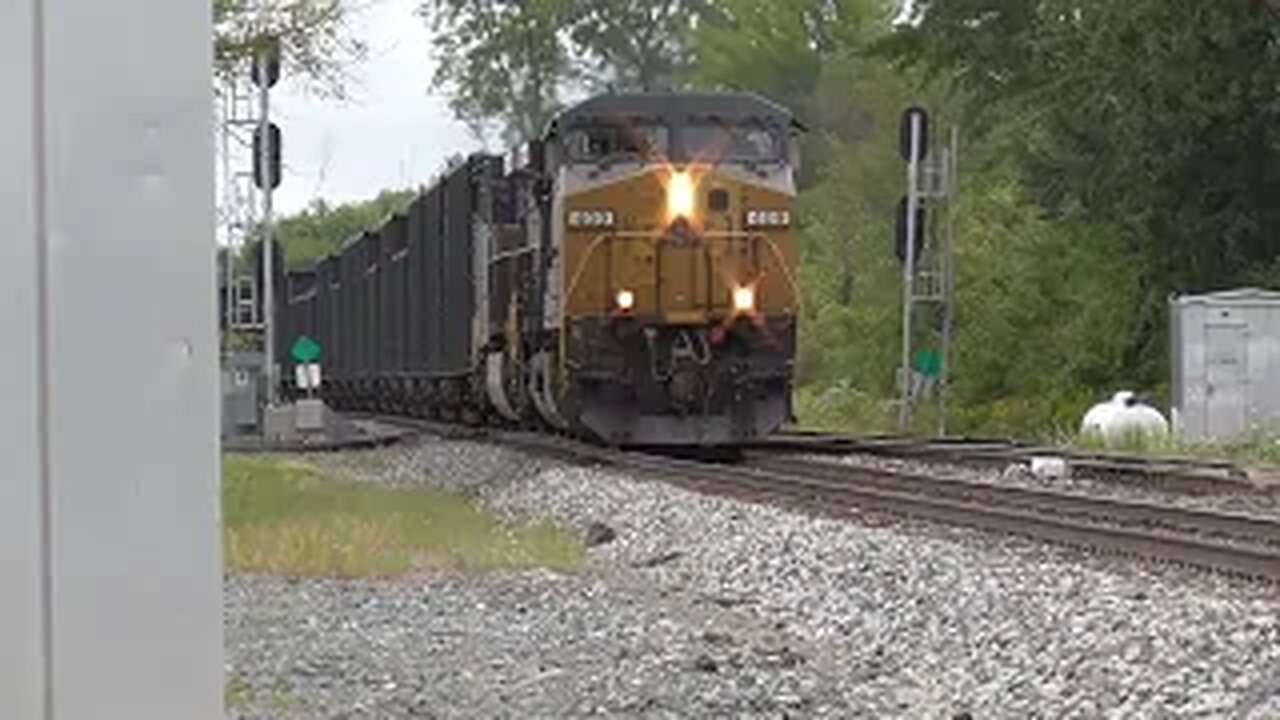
590, 218
768, 218
680, 196
625, 299
744, 298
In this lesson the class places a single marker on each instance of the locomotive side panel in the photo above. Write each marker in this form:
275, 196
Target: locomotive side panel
508, 257
509, 301
777, 290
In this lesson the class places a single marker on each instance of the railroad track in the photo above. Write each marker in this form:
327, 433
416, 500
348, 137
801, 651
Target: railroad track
1236, 542
1227, 542
1171, 473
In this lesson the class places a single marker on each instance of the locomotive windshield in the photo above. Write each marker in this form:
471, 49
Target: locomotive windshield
701, 141
716, 142
617, 141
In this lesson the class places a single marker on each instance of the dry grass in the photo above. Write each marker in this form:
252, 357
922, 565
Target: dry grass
288, 518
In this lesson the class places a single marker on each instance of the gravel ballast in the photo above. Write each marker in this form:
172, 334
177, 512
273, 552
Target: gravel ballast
700, 606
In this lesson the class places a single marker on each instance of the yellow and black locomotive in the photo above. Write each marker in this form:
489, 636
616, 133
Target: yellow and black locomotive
628, 276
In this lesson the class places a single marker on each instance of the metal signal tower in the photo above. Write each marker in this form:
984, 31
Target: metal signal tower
250, 170
926, 247
238, 204
266, 176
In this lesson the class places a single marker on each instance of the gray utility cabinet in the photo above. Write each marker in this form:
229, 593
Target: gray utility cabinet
1225, 364
242, 390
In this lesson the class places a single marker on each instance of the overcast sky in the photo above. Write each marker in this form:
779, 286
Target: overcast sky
393, 133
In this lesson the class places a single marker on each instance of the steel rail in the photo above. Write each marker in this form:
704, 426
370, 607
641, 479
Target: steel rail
863, 489
1177, 473
1045, 500
871, 490
1175, 535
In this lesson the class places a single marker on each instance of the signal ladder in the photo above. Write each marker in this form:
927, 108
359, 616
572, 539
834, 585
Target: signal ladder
238, 211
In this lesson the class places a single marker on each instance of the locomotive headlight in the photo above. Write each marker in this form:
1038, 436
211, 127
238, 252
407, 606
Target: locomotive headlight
680, 196
768, 218
625, 299
744, 298
591, 218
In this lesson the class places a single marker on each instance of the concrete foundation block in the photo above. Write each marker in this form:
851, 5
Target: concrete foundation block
280, 423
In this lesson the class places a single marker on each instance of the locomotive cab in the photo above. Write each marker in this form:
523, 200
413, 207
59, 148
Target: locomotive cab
671, 302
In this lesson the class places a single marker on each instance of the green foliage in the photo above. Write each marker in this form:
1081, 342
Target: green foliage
1156, 116
503, 61
321, 229
634, 44
509, 64
842, 406
1047, 299
779, 48
764, 45
316, 41
1042, 313
1112, 153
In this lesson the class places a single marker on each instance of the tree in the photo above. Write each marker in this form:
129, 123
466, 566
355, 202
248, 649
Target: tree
503, 60
636, 44
779, 47
321, 229
1155, 116
810, 56
509, 64
316, 42
1158, 113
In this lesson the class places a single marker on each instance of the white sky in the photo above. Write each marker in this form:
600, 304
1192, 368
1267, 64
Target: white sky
392, 132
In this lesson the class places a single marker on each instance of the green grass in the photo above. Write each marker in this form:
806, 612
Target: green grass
235, 693
1249, 451
843, 408
288, 518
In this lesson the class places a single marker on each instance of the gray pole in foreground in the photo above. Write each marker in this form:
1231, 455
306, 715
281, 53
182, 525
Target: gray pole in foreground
268, 254
110, 550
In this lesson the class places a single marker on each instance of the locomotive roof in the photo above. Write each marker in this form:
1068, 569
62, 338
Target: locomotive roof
674, 108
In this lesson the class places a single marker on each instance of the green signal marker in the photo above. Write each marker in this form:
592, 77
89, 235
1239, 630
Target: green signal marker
928, 363
306, 350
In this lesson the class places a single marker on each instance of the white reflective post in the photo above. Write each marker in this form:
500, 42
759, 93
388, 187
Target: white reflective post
109, 514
